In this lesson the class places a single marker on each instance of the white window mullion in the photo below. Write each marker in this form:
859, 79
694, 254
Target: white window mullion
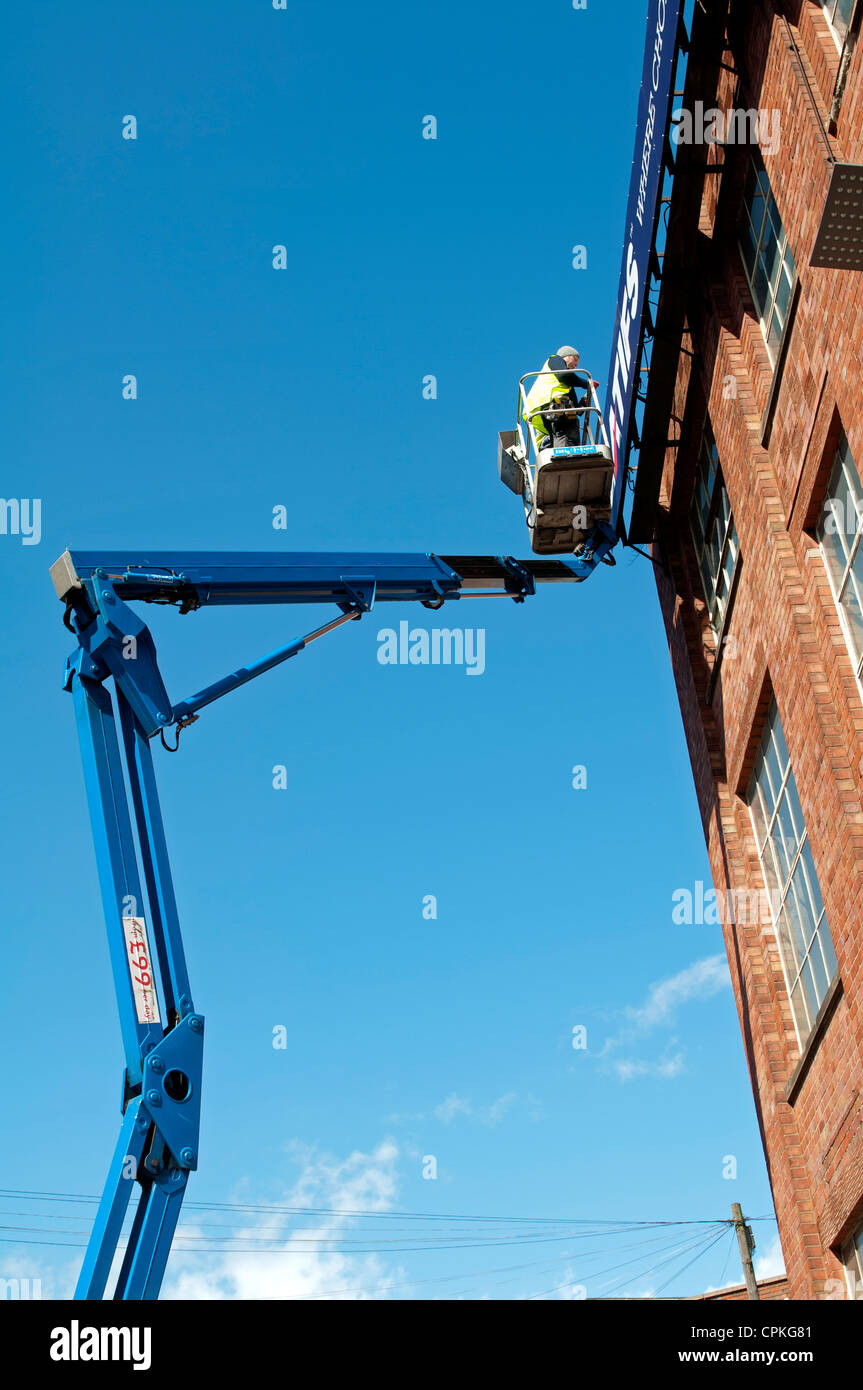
844, 491
799, 914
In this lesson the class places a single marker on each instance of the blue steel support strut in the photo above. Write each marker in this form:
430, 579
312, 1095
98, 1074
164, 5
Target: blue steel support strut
150, 1241
157, 872
158, 1143
105, 1236
115, 856
184, 712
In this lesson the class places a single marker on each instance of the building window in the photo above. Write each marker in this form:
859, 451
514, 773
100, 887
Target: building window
805, 944
839, 535
838, 13
766, 254
852, 1258
714, 533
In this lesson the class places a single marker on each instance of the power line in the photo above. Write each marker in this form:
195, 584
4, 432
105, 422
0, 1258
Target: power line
379, 1288
445, 1232
697, 1256
42, 1195
678, 1250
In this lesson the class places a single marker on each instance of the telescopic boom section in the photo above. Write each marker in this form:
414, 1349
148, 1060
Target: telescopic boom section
162, 1033
193, 580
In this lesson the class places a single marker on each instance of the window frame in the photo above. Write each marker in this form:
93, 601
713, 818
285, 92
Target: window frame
845, 464
839, 34
718, 610
852, 1264
787, 882
787, 265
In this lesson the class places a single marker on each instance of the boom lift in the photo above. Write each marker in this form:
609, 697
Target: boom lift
566, 490
162, 1031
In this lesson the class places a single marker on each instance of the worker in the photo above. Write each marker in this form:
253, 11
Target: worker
554, 389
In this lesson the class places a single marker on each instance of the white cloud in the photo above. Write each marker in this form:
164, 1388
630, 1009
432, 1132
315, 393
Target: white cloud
495, 1112
490, 1115
452, 1106
305, 1263
770, 1262
701, 980
629, 1068
43, 1278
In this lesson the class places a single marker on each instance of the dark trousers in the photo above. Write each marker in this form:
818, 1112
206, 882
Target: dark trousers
564, 430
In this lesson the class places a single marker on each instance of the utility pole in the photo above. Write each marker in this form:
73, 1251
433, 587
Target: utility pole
746, 1241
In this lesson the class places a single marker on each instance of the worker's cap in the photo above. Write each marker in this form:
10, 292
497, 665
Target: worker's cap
568, 352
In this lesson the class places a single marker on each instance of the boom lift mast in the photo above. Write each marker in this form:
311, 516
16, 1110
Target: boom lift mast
162, 1032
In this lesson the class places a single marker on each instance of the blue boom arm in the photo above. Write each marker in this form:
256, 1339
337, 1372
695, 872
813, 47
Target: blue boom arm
162, 1032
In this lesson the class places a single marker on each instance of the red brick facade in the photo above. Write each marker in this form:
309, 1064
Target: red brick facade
786, 638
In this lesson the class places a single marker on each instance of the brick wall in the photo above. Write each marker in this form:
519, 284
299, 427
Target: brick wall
774, 1289
788, 641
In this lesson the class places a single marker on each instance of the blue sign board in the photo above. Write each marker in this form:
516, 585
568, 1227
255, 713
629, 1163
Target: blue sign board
654, 104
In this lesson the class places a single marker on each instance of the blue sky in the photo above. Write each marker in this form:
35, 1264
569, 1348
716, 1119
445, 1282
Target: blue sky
302, 388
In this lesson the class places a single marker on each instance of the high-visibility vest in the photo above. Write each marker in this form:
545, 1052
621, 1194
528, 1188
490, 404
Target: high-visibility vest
546, 388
